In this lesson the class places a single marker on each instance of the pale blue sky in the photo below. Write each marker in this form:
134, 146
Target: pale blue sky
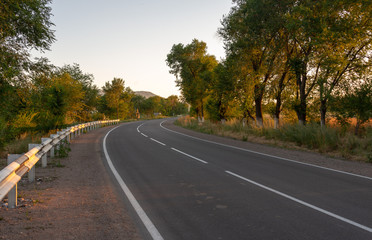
131, 39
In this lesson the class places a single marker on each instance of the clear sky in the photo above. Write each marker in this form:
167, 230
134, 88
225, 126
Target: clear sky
130, 39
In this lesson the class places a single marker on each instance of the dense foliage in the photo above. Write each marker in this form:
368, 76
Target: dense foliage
283, 58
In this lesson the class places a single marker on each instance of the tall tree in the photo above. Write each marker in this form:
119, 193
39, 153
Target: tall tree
90, 90
193, 69
117, 99
345, 46
24, 25
330, 37
223, 86
251, 33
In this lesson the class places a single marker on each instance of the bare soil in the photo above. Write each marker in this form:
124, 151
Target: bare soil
73, 198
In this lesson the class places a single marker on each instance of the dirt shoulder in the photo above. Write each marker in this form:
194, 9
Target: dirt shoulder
359, 168
77, 201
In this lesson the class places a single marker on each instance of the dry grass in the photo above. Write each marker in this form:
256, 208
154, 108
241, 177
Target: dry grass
332, 140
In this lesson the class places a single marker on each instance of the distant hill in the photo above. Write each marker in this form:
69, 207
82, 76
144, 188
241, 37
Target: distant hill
145, 94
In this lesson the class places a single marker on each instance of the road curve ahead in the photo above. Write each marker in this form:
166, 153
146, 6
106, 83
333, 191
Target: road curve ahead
187, 188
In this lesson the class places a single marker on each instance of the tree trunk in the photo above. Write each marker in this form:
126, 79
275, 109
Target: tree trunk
301, 109
259, 119
277, 110
323, 111
357, 126
117, 112
258, 92
279, 98
276, 122
244, 122
202, 110
301, 114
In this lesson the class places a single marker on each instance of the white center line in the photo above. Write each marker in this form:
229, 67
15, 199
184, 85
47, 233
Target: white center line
189, 156
144, 135
139, 127
158, 142
303, 203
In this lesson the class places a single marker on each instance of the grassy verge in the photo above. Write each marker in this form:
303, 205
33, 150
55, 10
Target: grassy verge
330, 140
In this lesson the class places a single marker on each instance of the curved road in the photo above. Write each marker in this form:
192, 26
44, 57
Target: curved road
187, 188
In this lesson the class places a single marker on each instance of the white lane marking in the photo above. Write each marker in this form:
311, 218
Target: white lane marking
303, 203
144, 135
190, 156
139, 127
158, 142
267, 155
141, 213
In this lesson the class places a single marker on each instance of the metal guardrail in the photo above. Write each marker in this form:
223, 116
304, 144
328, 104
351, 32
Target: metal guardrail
11, 174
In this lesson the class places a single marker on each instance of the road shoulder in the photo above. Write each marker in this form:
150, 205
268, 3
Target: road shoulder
76, 201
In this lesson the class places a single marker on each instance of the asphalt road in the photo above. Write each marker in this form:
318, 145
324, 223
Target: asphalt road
187, 188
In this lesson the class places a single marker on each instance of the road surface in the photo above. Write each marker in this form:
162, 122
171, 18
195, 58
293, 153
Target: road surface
183, 187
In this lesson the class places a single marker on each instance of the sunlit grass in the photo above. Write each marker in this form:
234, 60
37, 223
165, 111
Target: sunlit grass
332, 140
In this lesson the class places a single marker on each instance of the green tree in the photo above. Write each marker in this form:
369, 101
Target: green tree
330, 37
173, 106
90, 90
222, 96
354, 103
60, 102
193, 69
24, 25
252, 33
342, 51
117, 99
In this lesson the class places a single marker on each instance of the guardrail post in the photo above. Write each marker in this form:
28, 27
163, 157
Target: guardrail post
52, 150
62, 139
72, 134
59, 133
31, 173
68, 135
12, 194
44, 157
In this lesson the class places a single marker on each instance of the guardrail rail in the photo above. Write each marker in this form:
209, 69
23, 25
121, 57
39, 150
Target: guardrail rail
14, 171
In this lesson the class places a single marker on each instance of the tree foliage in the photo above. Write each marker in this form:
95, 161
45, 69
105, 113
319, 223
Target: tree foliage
285, 56
193, 69
25, 25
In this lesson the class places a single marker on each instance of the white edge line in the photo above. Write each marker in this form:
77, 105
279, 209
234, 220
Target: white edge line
303, 203
141, 213
190, 156
267, 155
144, 135
158, 141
